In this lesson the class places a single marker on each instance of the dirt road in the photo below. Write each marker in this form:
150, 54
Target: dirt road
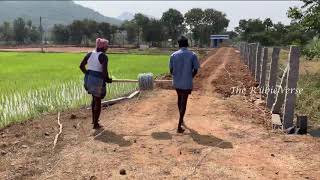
227, 137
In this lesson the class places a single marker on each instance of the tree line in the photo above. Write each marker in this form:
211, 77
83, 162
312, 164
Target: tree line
303, 30
197, 24
20, 32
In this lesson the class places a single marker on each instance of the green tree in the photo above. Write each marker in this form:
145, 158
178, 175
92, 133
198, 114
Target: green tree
173, 22
250, 29
141, 21
215, 22
153, 32
104, 30
113, 31
308, 15
33, 33
60, 34
6, 32
268, 23
130, 28
194, 19
19, 30
90, 30
76, 29
203, 23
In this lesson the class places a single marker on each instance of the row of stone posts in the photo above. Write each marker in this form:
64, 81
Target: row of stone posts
280, 98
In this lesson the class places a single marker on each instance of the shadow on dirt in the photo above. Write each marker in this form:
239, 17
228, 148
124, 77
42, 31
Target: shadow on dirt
315, 132
161, 135
206, 140
209, 140
107, 136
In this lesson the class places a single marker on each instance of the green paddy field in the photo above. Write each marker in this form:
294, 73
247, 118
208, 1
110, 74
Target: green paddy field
33, 83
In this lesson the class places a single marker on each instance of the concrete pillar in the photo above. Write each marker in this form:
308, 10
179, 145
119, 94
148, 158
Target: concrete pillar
246, 53
250, 56
263, 69
258, 64
273, 77
276, 107
292, 81
253, 58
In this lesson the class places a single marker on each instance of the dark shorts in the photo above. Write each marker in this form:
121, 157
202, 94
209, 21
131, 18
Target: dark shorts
183, 91
95, 84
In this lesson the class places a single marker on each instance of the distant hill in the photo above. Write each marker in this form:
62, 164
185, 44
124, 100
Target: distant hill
53, 12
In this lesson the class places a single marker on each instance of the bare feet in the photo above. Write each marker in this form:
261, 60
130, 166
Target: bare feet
97, 126
180, 130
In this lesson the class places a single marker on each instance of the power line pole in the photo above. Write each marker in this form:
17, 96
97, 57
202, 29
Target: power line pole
41, 34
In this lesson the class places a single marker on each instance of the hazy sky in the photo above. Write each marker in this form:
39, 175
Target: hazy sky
235, 10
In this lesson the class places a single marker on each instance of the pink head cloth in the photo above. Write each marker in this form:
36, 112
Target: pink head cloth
101, 43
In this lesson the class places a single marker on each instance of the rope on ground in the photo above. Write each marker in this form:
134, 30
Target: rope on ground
195, 167
60, 131
73, 152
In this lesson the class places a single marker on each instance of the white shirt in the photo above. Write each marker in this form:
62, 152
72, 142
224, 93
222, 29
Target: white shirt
94, 63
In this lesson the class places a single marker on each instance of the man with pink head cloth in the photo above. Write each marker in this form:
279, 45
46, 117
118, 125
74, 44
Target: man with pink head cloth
96, 77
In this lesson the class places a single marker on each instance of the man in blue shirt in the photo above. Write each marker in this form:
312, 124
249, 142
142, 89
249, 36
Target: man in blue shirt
183, 66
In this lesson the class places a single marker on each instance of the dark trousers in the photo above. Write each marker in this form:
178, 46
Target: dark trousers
182, 103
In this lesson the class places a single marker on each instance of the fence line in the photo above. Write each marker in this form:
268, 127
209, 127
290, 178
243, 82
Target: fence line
281, 92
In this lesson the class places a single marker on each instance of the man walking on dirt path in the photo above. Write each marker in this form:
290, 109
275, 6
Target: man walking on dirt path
183, 66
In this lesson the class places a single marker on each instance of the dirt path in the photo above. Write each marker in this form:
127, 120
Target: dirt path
226, 137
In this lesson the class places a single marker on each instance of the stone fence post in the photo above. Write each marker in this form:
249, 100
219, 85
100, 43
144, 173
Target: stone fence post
272, 77
258, 64
292, 81
263, 69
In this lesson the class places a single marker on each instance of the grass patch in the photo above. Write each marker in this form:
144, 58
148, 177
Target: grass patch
308, 101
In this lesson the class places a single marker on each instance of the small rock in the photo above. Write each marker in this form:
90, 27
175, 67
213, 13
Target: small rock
17, 135
24, 146
73, 116
260, 102
277, 173
134, 141
3, 152
3, 145
143, 146
93, 178
272, 155
180, 153
123, 172
114, 150
46, 134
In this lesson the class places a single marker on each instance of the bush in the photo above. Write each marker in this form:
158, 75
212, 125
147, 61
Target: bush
308, 101
312, 49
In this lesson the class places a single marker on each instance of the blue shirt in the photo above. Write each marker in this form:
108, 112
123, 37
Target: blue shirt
183, 62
